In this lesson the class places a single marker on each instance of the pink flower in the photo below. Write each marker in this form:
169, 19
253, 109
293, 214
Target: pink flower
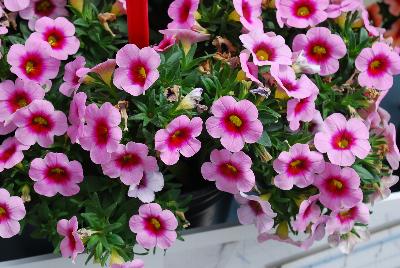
321, 47
377, 66
179, 137
236, 123
249, 68
12, 210
39, 122
150, 183
59, 33
11, 153
253, 210
16, 96
133, 264
343, 140
182, 13
72, 78
56, 174
346, 243
16, 5
165, 44
383, 191
250, 13
137, 69
129, 162
154, 226
7, 128
267, 48
394, 7
309, 212
317, 232
391, 150
300, 110
33, 61
297, 167
339, 188
76, 117
71, 245
302, 13
286, 79
231, 171
102, 133
337, 7
342, 221
43, 8
186, 36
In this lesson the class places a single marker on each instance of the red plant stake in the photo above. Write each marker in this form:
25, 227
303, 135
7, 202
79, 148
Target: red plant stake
138, 22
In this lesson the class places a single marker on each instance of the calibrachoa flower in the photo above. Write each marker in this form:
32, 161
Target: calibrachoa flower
286, 79
186, 36
391, 150
104, 70
342, 221
71, 245
300, 110
150, 183
394, 7
102, 133
321, 47
43, 8
383, 191
249, 68
16, 5
297, 167
179, 137
231, 171
132, 264
16, 96
137, 69
235, 122
301, 13
249, 12
76, 117
39, 122
182, 13
72, 80
7, 128
56, 174
11, 153
59, 33
12, 210
339, 188
377, 66
32, 61
166, 43
267, 48
129, 162
309, 212
154, 226
343, 140
346, 243
253, 210
337, 7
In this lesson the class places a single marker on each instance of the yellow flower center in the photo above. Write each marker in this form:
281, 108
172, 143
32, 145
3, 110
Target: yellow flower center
43, 6
319, 50
235, 120
127, 158
303, 11
52, 40
156, 223
345, 214
22, 102
57, 171
142, 72
343, 143
2, 211
375, 64
338, 185
296, 163
177, 134
231, 168
29, 67
40, 121
262, 54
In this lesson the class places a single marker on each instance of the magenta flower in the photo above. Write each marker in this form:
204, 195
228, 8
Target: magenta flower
267, 48
7, 128
300, 110
32, 61
59, 33
384, 191
16, 5
231, 171
250, 13
179, 137
342, 221
56, 174
343, 140
166, 43
77, 112
249, 68
337, 7
12, 210
11, 153
133, 264
309, 212
129, 162
16, 96
321, 47
182, 13
186, 36
236, 123
255, 211
71, 245
74, 74
137, 69
154, 226
286, 79
39, 122
43, 8
150, 183
301, 13
391, 149
377, 66
339, 188
297, 167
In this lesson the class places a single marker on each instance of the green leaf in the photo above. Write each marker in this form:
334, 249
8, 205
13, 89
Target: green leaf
265, 140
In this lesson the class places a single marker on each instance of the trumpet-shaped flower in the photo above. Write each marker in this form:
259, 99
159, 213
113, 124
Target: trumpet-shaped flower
300, 110
43, 8
12, 210
16, 5
342, 221
71, 245
76, 117
150, 183
249, 12
56, 174
74, 74
337, 7
309, 212
11, 153
249, 68
182, 13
